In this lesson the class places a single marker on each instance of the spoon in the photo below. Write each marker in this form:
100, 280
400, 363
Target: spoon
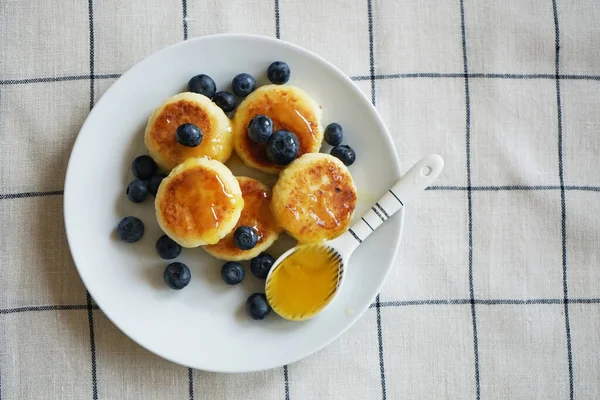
304, 281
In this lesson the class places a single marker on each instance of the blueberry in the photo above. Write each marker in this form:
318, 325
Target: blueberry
261, 265
232, 273
166, 248
177, 275
225, 101
278, 72
245, 237
243, 84
334, 134
143, 167
344, 153
282, 147
155, 182
137, 190
188, 135
202, 84
130, 229
257, 306
260, 129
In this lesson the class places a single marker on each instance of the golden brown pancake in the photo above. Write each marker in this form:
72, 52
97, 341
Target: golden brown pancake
199, 202
289, 108
257, 214
194, 109
314, 198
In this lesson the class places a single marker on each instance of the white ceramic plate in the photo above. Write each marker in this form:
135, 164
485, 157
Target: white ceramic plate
204, 326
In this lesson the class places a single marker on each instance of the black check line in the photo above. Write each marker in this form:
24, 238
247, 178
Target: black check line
453, 75
23, 195
57, 307
488, 302
380, 342
371, 50
404, 303
185, 24
562, 198
277, 23
515, 188
57, 79
91, 76
88, 297
286, 380
469, 195
92, 345
191, 384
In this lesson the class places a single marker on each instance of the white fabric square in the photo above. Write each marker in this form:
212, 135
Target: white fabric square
583, 243
347, 369
36, 41
365, 87
241, 16
585, 325
264, 385
42, 121
411, 36
517, 251
533, 360
433, 261
126, 32
427, 115
101, 86
45, 355
510, 36
581, 124
125, 370
36, 265
579, 23
337, 30
429, 352
514, 132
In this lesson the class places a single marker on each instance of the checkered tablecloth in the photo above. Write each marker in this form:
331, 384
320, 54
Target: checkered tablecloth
496, 291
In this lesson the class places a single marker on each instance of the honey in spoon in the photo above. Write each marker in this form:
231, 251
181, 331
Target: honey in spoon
304, 282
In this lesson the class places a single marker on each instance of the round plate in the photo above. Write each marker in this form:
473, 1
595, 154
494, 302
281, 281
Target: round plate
204, 326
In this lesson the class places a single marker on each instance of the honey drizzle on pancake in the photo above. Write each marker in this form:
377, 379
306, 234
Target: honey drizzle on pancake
179, 113
284, 116
195, 201
256, 214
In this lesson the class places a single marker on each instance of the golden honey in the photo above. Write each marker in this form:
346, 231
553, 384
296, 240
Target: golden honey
304, 283
256, 214
160, 136
290, 109
196, 202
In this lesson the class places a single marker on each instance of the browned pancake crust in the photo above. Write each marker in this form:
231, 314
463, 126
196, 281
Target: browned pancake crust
314, 198
196, 206
257, 214
160, 135
287, 111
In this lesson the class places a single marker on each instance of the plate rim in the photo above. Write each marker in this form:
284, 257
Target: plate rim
395, 169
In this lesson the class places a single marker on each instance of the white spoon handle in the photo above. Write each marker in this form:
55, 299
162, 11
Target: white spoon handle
421, 175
